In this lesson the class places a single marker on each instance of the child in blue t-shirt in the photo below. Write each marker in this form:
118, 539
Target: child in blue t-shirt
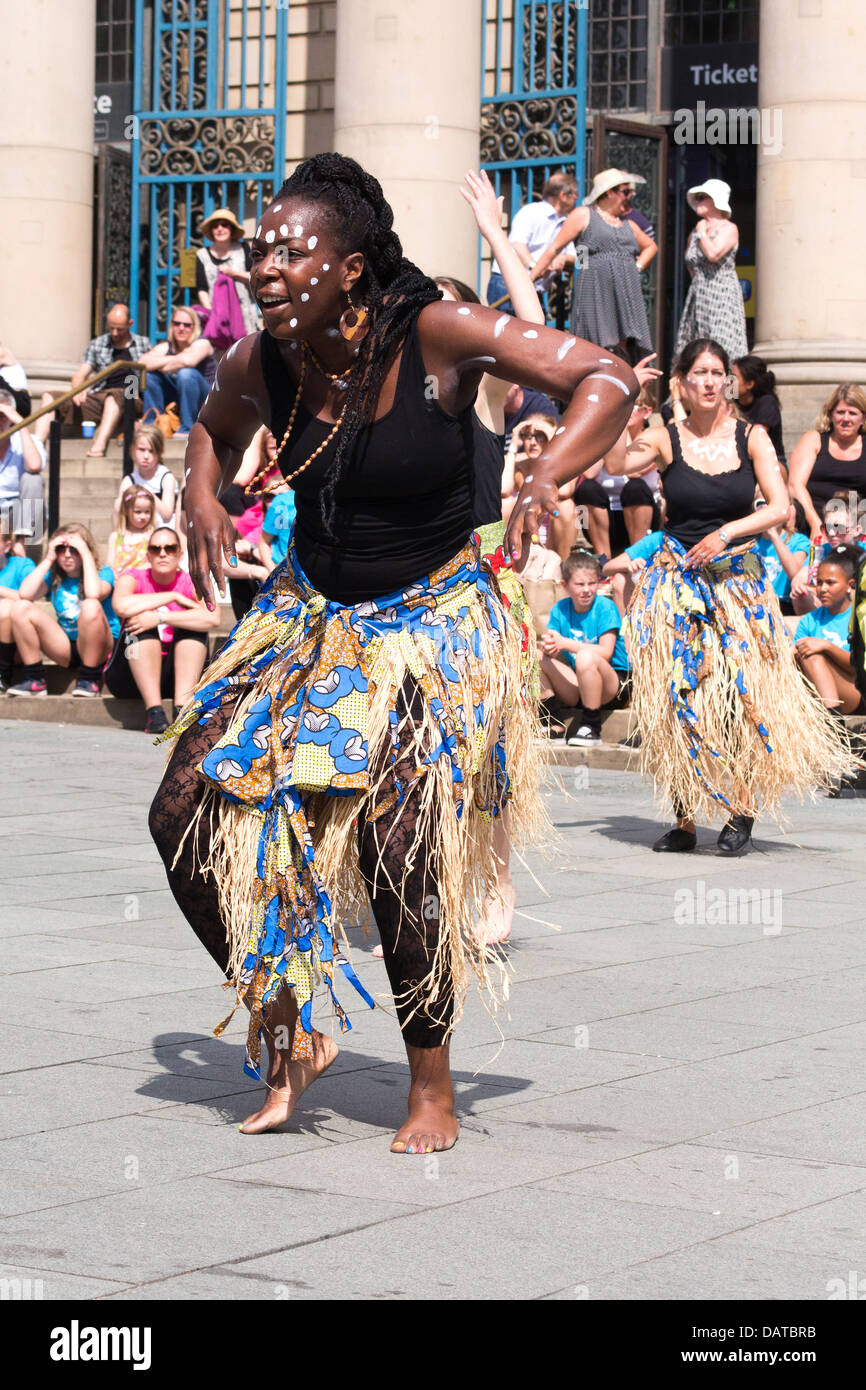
623, 568
277, 529
823, 637
584, 661
784, 553
82, 629
13, 568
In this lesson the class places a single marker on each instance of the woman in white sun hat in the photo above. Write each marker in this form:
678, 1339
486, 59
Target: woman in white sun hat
608, 303
714, 304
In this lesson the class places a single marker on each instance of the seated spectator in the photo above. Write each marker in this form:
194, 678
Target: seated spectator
277, 529
82, 628
174, 369
584, 659
13, 568
823, 638
831, 457
841, 526
22, 489
149, 472
152, 647
757, 399
102, 404
785, 552
127, 546
520, 402
13, 378
623, 570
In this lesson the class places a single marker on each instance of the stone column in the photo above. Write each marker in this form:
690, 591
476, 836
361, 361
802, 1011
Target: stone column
811, 201
407, 107
46, 184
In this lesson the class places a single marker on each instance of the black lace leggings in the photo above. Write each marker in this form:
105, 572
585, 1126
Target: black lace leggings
409, 935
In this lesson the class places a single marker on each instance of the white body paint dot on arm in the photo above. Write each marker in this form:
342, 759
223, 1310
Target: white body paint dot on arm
614, 380
566, 347
592, 398
501, 324
530, 333
463, 311
561, 430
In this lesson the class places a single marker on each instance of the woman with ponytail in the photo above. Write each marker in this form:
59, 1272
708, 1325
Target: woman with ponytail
369, 719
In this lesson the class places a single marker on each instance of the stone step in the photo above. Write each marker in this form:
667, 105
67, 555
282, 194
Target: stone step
103, 710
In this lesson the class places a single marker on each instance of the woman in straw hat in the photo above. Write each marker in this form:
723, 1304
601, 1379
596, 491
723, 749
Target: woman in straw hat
229, 255
608, 304
714, 304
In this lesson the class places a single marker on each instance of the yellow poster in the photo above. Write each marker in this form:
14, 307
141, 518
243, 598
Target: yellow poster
746, 275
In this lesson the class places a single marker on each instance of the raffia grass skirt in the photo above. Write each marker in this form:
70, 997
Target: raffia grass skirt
311, 749
727, 721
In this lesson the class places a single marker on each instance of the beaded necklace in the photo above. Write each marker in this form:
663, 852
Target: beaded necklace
306, 351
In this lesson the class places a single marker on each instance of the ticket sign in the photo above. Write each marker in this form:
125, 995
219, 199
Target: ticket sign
722, 75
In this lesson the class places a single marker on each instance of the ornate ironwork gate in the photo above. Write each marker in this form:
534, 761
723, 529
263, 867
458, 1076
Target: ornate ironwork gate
208, 130
533, 105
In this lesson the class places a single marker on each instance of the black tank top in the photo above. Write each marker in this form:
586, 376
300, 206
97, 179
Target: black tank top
699, 503
487, 474
404, 505
831, 475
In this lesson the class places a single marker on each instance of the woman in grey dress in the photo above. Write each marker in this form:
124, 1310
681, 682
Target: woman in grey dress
612, 251
714, 304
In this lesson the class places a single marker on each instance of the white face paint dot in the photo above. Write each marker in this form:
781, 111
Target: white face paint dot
276, 207
304, 298
326, 266
270, 236
592, 398
500, 325
298, 229
312, 243
258, 231
314, 281
284, 231
530, 333
463, 311
566, 347
293, 323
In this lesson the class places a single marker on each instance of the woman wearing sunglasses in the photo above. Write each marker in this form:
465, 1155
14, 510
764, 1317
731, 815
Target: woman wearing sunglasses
144, 599
81, 629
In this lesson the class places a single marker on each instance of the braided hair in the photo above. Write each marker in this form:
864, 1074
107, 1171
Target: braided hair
392, 289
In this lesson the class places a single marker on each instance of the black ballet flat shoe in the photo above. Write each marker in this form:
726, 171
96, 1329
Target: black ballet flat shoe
676, 841
736, 835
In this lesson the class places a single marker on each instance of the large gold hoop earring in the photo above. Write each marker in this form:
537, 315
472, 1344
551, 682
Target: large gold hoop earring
353, 322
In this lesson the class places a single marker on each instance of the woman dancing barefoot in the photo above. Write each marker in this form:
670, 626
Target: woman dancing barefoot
367, 722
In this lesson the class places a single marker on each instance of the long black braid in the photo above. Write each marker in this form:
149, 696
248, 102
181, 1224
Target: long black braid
392, 289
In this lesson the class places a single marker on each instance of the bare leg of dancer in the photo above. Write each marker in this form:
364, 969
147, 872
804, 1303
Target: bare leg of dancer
497, 913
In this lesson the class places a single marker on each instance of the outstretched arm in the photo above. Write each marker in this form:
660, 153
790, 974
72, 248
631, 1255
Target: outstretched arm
465, 340
487, 208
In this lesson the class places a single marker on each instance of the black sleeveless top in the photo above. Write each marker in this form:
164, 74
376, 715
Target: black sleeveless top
487, 474
831, 475
404, 505
699, 503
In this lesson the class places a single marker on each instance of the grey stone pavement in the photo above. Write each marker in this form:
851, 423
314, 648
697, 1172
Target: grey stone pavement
676, 1113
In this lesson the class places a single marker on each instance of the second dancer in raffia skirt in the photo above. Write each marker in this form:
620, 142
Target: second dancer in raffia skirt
727, 722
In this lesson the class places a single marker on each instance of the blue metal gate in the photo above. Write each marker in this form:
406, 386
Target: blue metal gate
533, 104
208, 130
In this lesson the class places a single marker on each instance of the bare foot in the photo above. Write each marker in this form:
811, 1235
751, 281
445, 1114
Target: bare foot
497, 914
431, 1127
378, 953
287, 1082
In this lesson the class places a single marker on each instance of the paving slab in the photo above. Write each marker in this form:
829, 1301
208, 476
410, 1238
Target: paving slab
669, 1106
